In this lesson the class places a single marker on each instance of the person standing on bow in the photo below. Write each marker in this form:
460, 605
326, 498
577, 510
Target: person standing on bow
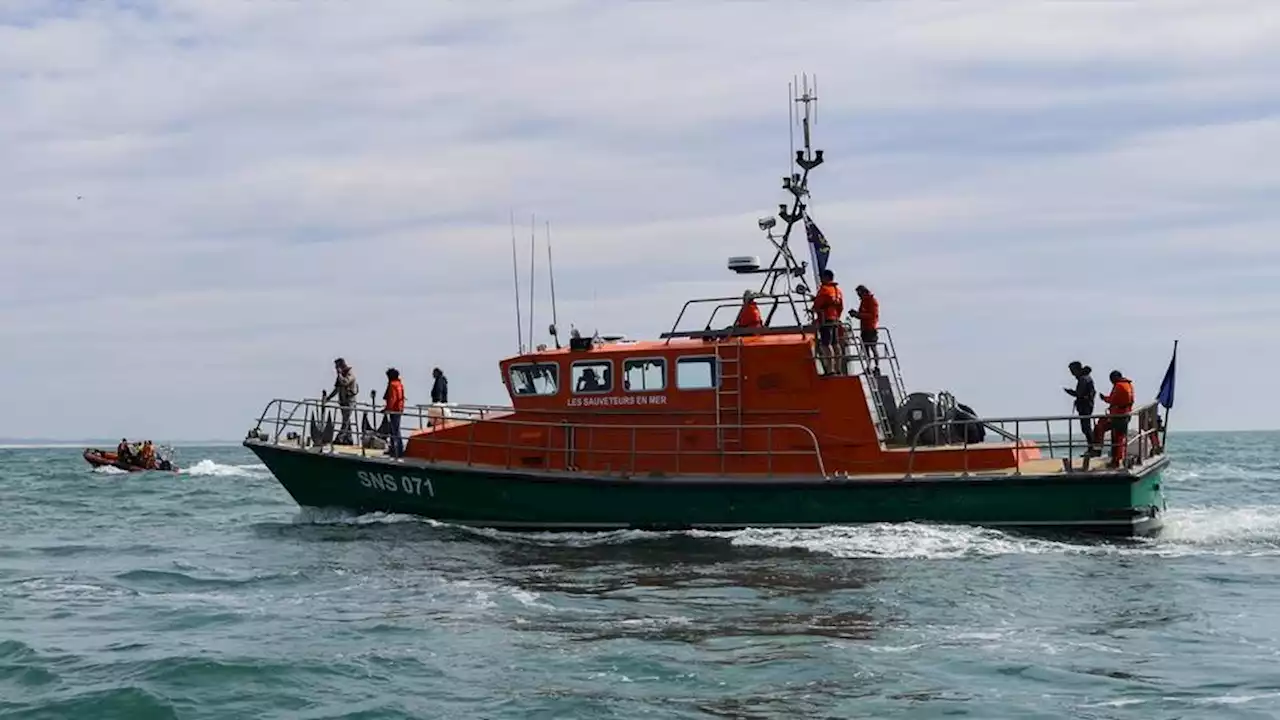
346, 388
1119, 405
1084, 397
439, 386
828, 308
394, 399
868, 314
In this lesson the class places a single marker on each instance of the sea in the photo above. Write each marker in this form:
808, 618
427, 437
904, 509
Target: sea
211, 594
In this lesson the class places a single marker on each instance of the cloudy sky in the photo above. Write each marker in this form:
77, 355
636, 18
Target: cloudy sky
203, 202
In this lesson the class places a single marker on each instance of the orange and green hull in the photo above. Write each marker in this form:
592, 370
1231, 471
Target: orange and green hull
1115, 503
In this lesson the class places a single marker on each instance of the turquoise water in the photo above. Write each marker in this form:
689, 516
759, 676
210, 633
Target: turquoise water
211, 595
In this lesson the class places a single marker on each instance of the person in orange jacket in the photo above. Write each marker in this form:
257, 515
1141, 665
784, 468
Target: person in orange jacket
147, 457
749, 316
1119, 405
394, 399
828, 308
868, 314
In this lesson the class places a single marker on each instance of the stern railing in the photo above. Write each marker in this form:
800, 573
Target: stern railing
1062, 438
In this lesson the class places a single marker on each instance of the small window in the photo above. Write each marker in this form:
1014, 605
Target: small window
696, 373
592, 376
645, 375
540, 379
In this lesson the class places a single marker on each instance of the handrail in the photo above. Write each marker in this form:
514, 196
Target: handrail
474, 416
788, 298
1070, 444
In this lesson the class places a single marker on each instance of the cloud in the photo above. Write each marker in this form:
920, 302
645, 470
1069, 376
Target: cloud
208, 200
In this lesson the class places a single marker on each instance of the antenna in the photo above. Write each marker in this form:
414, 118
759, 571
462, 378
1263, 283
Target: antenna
515, 274
806, 98
532, 256
791, 124
551, 271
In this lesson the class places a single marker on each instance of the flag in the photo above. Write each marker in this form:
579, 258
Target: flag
818, 246
1165, 397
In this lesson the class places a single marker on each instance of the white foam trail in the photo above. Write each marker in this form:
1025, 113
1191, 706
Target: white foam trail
1208, 526
209, 468
908, 540
109, 470
1187, 531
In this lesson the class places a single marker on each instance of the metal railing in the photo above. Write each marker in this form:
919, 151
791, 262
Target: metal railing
1140, 446
577, 440
773, 301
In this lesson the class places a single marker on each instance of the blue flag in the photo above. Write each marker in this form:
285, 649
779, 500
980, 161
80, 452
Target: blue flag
817, 244
1165, 397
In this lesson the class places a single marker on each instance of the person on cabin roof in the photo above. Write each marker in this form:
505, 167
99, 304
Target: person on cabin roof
346, 388
828, 308
868, 314
1084, 396
749, 315
1119, 405
394, 399
439, 387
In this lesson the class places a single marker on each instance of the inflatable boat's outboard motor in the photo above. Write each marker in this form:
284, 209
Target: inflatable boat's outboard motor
916, 416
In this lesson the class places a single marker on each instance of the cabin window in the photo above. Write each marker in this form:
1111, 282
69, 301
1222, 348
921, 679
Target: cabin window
645, 375
539, 379
696, 373
592, 376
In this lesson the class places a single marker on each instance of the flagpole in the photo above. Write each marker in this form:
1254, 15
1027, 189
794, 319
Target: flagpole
1164, 441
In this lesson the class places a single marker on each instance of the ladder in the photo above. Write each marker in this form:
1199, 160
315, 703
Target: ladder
883, 392
729, 395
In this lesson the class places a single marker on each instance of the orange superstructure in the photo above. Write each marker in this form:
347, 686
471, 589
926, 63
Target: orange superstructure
739, 405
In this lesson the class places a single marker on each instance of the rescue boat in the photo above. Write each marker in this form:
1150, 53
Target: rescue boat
721, 427
102, 458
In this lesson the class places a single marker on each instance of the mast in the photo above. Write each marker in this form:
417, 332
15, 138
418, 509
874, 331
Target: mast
551, 272
803, 101
532, 257
515, 274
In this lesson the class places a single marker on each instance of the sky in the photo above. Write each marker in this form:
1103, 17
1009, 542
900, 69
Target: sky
204, 202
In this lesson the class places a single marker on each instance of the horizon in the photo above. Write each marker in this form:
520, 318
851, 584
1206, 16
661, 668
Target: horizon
52, 443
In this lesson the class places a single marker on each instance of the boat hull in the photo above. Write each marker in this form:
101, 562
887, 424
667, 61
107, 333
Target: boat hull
101, 458
1095, 502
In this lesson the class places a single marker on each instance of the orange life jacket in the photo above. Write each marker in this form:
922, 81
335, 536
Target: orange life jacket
394, 396
828, 304
1120, 401
868, 312
749, 315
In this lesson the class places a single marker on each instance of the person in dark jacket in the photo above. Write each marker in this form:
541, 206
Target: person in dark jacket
1084, 394
347, 389
440, 387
